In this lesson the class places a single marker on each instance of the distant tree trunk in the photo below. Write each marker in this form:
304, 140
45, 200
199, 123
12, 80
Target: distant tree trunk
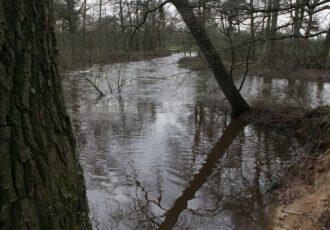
72, 22
267, 35
100, 18
252, 31
130, 31
273, 31
84, 42
84, 24
122, 22
298, 17
310, 21
297, 53
226, 83
41, 182
325, 49
269, 16
275, 7
100, 51
137, 19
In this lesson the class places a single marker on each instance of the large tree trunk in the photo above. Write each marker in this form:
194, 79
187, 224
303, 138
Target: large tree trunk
41, 182
226, 83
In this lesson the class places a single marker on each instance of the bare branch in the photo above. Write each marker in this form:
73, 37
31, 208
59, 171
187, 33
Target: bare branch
146, 17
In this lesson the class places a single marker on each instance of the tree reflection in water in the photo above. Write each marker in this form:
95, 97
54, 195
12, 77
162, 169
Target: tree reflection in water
152, 158
180, 204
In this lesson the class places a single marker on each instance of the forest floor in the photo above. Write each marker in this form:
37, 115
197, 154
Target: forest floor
302, 191
316, 75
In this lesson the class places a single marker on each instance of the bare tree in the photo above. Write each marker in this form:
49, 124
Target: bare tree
226, 83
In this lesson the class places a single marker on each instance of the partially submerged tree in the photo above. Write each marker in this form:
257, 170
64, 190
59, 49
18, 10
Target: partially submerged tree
41, 181
225, 81
196, 27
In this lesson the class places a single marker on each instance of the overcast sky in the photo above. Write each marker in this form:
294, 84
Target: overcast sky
323, 17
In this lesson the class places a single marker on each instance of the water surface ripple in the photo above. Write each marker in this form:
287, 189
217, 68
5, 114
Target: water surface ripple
164, 153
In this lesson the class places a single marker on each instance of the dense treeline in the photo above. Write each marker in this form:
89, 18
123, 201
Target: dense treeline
232, 35
268, 32
105, 31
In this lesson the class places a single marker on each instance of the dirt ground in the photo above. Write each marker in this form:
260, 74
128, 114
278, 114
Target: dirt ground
303, 199
304, 202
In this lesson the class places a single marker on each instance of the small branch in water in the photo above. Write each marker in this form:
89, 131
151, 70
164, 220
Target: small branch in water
94, 85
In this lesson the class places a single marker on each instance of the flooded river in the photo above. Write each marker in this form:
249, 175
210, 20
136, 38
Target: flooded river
164, 153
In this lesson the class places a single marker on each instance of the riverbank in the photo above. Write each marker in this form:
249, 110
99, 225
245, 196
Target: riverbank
67, 66
301, 191
315, 75
303, 200
302, 197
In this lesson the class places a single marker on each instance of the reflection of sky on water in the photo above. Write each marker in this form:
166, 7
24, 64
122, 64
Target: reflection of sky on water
141, 150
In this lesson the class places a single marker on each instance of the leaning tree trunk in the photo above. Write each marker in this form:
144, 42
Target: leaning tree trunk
41, 182
226, 83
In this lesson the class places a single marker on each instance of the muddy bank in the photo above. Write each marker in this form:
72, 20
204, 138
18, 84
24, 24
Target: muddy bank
145, 150
302, 200
302, 191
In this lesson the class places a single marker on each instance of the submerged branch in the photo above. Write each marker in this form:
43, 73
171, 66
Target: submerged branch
101, 94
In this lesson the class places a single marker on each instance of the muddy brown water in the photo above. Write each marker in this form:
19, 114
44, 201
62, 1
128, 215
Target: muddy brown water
165, 154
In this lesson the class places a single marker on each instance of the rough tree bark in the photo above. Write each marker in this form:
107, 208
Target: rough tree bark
41, 182
226, 83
